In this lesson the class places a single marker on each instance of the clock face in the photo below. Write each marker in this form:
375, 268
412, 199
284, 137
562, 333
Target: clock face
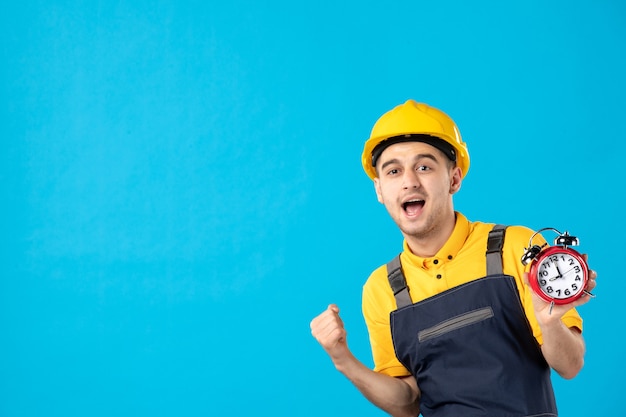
561, 275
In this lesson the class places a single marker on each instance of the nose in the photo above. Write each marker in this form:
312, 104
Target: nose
410, 179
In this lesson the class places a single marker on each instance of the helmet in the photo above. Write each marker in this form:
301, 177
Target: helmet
415, 118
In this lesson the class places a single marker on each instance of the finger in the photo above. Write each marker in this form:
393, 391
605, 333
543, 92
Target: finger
325, 322
334, 310
330, 310
329, 331
591, 284
329, 322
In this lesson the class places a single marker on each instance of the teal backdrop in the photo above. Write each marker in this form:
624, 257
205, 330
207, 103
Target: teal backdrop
182, 193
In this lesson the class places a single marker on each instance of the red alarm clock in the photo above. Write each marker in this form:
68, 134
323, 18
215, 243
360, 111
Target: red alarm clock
558, 274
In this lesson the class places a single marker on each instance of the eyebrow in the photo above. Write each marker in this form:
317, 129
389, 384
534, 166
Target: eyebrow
416, 158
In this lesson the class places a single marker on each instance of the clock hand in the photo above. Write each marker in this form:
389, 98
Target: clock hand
559, 272
568, 271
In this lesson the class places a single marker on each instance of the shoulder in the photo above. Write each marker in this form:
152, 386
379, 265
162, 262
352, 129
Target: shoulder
377, 297
519, 233
377, 280
514, 234
517, 239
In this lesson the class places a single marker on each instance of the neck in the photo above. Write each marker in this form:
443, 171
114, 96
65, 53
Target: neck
427, 244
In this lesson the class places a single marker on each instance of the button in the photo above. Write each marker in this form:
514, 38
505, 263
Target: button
436, 261
450, 257
438, 276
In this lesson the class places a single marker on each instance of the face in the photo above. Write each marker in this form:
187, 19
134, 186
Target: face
416, 182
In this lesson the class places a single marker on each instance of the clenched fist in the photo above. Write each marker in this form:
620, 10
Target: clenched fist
328, 329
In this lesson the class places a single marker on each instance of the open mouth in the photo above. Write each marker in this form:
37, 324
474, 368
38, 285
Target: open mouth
412, 207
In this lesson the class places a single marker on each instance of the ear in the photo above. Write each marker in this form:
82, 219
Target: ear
456, 178
379, 194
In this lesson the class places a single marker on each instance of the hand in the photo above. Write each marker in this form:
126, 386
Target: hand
329, 331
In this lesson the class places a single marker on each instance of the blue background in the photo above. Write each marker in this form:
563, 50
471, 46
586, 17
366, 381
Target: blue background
182, 191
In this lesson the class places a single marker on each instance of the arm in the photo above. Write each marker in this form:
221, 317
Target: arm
563, 347
397, 396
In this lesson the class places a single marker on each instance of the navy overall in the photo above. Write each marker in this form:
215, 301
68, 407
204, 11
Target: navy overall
471, 347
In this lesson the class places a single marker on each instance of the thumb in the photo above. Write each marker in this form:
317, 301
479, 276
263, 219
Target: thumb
333, 308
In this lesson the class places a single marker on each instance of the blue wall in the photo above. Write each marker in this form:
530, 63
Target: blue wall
182, 192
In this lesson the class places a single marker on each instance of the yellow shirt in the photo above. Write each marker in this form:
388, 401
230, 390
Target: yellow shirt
460, 260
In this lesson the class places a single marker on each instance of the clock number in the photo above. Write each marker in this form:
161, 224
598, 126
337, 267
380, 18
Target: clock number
549, 290
574, 287
543, 282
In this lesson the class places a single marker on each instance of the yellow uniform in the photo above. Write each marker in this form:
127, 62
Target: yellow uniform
460, 260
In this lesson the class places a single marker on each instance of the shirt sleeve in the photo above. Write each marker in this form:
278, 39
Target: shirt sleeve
377, 304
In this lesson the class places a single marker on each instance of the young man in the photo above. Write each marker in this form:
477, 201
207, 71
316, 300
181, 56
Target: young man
461, 338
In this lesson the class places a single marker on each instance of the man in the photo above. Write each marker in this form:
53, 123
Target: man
470, 339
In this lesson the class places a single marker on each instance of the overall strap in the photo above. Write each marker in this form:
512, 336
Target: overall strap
398, 283
494, 250
494, 266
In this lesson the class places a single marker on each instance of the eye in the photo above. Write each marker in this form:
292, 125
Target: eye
393, 171
422, 168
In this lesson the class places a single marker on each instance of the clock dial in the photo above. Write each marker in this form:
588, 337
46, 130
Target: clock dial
558, 274
561, 276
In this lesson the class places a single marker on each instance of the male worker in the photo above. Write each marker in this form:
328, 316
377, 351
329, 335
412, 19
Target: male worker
456, 335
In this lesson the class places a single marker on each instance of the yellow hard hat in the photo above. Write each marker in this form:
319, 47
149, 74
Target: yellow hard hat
413, 121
